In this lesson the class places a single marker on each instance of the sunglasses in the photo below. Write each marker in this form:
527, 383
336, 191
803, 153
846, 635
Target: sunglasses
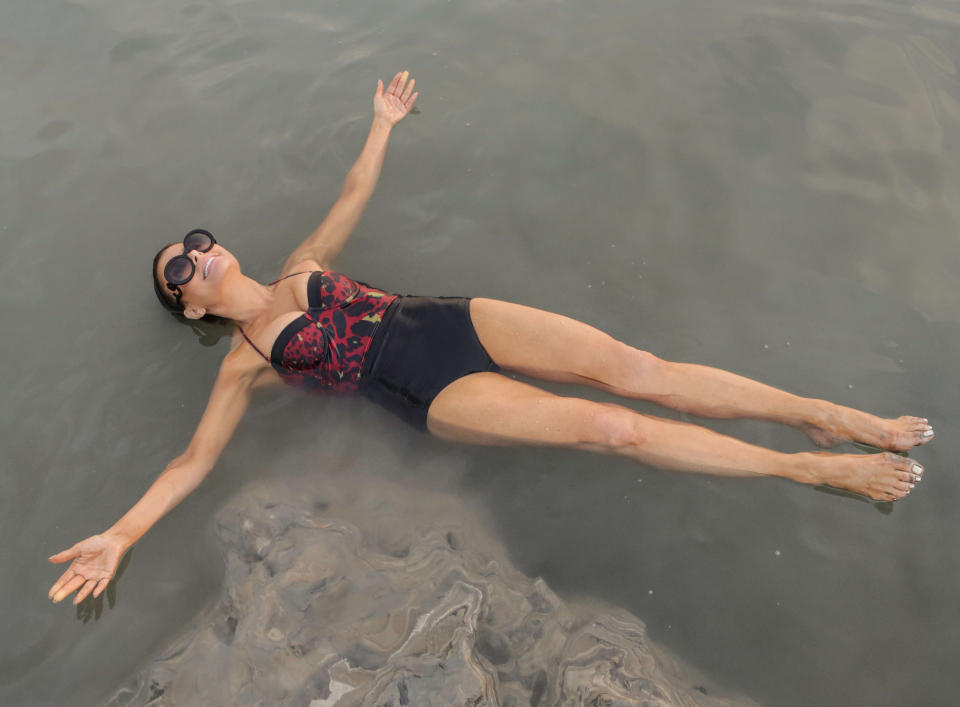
180, 269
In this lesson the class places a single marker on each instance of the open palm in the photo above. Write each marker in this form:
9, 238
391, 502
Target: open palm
397, 100
94, 563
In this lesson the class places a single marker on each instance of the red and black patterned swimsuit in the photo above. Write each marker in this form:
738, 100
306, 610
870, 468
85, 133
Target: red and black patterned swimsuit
323, 349
399, 351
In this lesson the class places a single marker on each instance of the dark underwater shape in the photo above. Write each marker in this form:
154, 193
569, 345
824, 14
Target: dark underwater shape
315, 611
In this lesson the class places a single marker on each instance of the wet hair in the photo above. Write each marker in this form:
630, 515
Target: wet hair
165, 296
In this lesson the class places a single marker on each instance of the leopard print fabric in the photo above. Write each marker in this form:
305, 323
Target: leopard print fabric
325, 346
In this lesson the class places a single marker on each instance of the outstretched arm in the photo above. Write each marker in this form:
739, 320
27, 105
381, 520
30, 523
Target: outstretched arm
95, 559
389, 107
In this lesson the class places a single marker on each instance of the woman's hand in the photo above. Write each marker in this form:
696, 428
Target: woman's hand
94, 563
392, 104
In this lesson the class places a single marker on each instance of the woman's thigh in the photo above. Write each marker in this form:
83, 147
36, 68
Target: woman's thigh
554, 347
489, 408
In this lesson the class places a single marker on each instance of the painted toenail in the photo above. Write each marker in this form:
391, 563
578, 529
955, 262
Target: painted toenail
928, 433
916, 469
912, 485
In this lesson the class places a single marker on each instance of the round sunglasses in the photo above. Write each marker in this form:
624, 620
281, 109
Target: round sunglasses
180, 269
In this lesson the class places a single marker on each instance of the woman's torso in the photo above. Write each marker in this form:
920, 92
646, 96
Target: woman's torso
326, 323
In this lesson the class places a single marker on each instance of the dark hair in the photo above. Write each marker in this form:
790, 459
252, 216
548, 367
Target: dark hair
163, 294
167, 300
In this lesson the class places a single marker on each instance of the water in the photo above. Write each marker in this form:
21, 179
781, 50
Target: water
762, 186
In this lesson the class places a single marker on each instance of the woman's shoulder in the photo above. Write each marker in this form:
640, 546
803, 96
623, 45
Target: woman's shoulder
242, 366
241, 355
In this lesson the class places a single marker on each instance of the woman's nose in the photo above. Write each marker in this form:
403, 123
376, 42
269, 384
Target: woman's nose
194, 255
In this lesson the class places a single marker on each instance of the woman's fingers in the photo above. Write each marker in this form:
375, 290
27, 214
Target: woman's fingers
379, 88
413, 99
398, 84
71, 581
64, 578
395, 84
85, 590
68, 589
65, 555
101, 585
408, 89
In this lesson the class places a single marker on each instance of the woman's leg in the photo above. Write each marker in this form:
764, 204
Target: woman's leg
553, 347
488, 408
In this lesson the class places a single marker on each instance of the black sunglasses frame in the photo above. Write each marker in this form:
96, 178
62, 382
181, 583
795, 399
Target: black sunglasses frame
173, 284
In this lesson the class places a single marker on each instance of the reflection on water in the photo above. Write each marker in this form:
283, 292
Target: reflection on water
768, 187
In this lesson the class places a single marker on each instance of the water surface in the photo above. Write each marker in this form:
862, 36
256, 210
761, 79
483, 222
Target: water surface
764, 186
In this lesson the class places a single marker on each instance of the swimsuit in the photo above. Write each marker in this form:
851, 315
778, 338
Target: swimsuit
399, 351
423, 345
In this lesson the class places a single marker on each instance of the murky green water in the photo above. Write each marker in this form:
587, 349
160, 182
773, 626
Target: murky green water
769, 187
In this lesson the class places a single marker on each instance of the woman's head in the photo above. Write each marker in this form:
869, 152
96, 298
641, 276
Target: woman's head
188, 277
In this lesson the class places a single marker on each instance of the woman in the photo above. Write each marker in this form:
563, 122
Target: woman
435, 361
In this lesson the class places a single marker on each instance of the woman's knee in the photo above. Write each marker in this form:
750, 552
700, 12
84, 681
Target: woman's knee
634, 369
614, 427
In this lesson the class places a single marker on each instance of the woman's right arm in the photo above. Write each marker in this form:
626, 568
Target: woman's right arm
95, 559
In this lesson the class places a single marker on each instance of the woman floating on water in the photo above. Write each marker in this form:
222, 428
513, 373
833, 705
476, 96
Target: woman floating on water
436, 362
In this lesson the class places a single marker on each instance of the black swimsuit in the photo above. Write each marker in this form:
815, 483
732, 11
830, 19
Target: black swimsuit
421, 347
399, 351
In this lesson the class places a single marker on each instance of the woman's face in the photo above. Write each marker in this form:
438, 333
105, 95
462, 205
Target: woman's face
205, 288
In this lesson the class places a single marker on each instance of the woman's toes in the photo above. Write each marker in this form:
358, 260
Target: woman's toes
908, 473
912, 431
899, 489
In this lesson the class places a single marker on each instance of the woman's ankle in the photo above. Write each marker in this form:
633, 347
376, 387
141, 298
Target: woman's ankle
806, 467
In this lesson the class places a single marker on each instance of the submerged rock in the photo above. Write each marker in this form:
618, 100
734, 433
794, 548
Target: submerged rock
318, 610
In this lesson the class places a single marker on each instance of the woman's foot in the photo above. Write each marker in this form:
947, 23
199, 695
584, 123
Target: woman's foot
842, 424
882, 477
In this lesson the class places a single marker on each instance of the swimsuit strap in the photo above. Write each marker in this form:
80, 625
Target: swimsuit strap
267, 358
302, 272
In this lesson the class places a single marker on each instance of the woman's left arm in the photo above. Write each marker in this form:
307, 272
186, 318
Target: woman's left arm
390, 105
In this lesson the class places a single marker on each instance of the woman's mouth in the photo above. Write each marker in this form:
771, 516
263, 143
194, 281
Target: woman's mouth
206, 267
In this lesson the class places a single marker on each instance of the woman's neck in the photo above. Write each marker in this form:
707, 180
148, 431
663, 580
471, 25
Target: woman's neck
244, 300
